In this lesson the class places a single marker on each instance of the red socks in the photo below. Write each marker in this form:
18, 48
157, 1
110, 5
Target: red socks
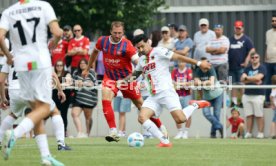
157, 122
109, 113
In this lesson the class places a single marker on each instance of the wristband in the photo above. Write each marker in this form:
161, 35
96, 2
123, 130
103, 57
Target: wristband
198, 63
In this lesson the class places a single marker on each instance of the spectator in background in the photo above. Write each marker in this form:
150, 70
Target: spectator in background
201, 39
237, 124
218, 48
240, 49
181, 77
67, 36
99, 67
139, 32
273, 106
270, 56
184, 44
155, 37
66, 79
167, 42
253, 99
214, 96
174, 31
59, 52
122, 106
78, 47
84, 99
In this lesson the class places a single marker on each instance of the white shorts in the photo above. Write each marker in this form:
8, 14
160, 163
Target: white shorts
18, 106
36, 85
167, 98
253, 105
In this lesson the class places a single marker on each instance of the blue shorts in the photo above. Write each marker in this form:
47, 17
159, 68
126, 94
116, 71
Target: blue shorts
274, 116
121, 104
236, 75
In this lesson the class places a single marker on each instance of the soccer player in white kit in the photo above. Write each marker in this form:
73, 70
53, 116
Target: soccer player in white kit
27, 21
19, 110
154, 63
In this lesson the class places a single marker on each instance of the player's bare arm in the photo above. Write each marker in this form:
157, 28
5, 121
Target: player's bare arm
4, 101
57, 33
201, 64
91, 61
3, 46
61, 94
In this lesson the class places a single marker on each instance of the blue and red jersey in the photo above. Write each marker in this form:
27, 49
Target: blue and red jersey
116, 57
186, 76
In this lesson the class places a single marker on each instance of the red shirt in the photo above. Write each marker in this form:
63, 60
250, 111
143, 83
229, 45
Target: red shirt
83, 43
116, 57
235, 123
186, 76
59, 52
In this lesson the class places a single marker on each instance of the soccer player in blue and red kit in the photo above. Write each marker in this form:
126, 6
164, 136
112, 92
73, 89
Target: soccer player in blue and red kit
118, 54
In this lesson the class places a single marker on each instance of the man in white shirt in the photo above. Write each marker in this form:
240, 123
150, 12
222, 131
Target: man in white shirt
218, 48
27, 23
154, 63
201, 39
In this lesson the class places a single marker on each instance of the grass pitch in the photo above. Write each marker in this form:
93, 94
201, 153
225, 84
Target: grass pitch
191, 152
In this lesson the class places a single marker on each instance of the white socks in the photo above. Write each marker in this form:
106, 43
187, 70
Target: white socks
5, 125
24, 127
58, 126
42, 143
149, 126
188, 111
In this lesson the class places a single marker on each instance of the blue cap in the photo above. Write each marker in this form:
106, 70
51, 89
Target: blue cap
218, 26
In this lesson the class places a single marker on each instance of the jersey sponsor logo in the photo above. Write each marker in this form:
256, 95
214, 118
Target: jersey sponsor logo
112, 61
149, 67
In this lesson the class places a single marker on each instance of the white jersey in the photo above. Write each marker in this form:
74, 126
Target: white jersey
27, 25
13, 81
155, 66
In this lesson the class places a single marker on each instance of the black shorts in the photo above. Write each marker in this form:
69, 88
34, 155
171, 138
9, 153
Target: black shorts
75, 103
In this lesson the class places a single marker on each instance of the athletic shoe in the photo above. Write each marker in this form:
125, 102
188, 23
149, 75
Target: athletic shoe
82, 135
179, 135
200, 103
164, 131
185, 135
260, 135
221, 133
122, 134
162, 145
63, 147
248, 135
113, 136
8, 143
50, 161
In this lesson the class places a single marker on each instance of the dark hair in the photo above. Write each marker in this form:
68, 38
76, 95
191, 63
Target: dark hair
155, 37
273, 80
79, 71
273, 15
203, 58
55, 67
139, 38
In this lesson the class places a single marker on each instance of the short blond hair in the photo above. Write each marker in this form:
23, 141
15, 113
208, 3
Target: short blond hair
117, 24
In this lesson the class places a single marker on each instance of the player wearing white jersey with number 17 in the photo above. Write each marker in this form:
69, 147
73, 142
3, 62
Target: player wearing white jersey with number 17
27, 22
154, 63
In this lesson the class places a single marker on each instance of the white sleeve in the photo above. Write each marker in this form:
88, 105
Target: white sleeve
134, 57
139, 66
273, 93
164, 53
49, 13
4, 22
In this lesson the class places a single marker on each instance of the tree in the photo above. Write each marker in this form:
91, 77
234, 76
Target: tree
95, 15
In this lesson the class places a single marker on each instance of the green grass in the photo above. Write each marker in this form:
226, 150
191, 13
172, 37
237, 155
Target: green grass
194, 152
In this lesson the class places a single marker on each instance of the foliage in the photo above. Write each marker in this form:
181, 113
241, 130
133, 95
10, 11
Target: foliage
95, 15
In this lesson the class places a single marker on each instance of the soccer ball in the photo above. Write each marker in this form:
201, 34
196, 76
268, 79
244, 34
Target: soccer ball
135, 140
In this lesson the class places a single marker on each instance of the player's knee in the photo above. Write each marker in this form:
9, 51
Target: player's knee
180, 119
142, 118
